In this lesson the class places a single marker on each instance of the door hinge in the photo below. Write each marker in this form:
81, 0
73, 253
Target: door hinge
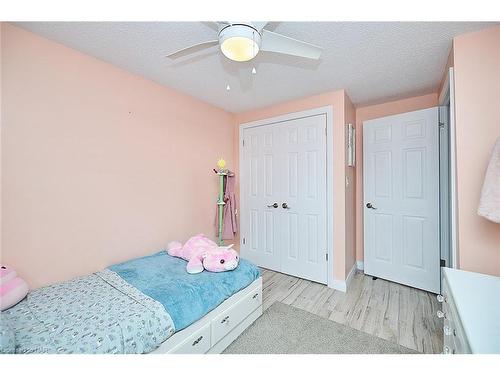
243, 240
441, 124
326, 257
442, 263
243, 143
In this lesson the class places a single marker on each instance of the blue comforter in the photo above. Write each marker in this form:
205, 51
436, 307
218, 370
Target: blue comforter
186, 297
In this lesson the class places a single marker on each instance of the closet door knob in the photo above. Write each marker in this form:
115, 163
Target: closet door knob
275, 205
369, 205
285, 206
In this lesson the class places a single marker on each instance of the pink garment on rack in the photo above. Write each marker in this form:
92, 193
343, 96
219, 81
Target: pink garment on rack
229, 224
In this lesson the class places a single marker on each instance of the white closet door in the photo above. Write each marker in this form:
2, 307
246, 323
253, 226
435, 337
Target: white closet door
260, 220
304, 192
401, 197
285, 164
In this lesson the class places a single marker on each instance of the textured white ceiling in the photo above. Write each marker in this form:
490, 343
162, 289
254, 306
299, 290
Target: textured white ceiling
373, 61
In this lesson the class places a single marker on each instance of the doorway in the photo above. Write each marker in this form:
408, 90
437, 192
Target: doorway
285, 216
401, 197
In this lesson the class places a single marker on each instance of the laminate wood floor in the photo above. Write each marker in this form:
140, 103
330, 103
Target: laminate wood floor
394, 312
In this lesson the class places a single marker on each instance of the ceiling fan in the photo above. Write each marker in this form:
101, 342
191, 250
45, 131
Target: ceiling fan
242, 41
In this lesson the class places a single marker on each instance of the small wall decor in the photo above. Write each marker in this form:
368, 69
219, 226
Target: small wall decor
351, 145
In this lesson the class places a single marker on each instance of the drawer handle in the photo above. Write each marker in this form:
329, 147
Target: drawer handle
255, 295
226, 319
195, 342
440, 314
441, 298
447, 330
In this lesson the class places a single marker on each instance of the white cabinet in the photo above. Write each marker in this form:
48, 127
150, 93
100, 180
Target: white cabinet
454, 339
470, 312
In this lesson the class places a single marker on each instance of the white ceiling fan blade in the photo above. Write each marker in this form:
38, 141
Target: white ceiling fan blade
274, 42
192, 49
259, 25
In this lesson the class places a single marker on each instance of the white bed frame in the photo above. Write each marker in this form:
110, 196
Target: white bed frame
220, 327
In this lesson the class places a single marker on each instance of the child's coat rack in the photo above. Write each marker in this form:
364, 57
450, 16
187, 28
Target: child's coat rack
221, 172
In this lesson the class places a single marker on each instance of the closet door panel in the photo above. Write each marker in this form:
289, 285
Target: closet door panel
304, 196
260, 221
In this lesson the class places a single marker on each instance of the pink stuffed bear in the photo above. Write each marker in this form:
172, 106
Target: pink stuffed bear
203, 253
12, 288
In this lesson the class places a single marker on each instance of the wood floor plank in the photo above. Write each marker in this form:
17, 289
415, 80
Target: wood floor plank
382, 308
277, 288
406, 320
357, 316
343, 311
391, 314
306, 299
295, 292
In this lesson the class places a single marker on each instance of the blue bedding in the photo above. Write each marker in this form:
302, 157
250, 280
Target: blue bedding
186, 297
131, 307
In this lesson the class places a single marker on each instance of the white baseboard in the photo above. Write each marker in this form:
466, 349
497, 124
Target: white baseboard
342, 285
339, 285
360, 264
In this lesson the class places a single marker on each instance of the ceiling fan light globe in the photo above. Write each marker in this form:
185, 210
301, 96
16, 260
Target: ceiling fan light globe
239, 42
239, 48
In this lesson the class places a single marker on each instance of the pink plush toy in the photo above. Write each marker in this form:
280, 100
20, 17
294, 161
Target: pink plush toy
12, 288
203, 253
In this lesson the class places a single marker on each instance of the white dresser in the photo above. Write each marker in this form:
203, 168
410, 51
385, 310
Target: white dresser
471, 312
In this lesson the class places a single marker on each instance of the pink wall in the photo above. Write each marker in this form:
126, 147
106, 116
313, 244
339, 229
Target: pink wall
477, 103
335, 99
99, 165
371, 112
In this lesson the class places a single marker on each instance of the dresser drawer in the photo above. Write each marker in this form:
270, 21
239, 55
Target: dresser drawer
224, 323
454, 339
197, 343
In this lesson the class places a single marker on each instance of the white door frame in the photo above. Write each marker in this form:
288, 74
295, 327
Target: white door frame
447, 96
328, 111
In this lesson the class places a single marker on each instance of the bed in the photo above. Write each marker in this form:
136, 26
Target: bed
148, 304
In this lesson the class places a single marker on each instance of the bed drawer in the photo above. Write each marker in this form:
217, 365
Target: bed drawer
223, 323
197, 343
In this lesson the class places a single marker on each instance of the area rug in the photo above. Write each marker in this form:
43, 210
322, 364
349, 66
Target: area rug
283, 329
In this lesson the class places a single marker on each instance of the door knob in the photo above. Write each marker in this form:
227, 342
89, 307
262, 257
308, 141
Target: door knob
285, 206
275, 205
369, 205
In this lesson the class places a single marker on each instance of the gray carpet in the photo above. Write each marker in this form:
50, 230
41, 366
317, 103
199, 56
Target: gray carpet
284, 329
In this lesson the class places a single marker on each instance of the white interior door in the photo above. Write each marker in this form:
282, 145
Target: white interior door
303, 224
401, 197
283, 180
261, 196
